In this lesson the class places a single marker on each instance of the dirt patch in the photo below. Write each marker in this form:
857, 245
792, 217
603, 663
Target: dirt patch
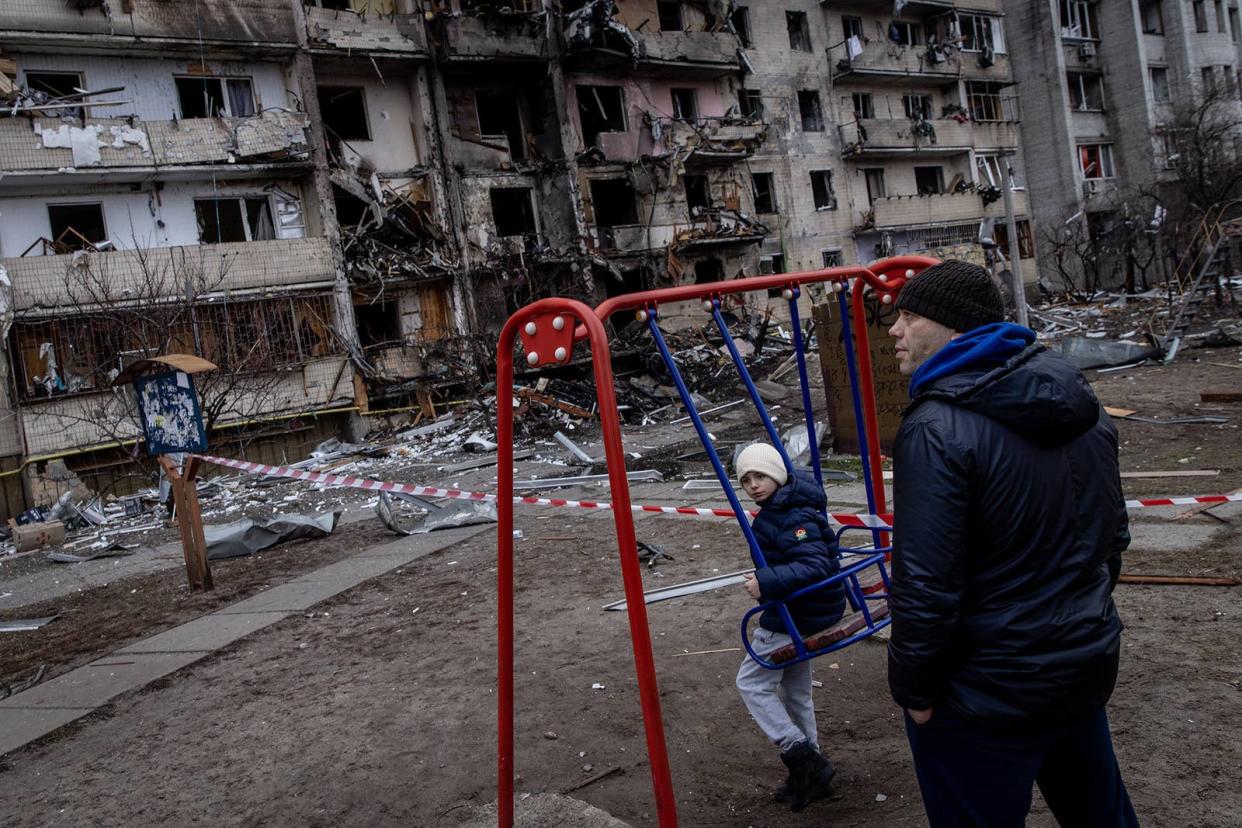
378, 708
97, 621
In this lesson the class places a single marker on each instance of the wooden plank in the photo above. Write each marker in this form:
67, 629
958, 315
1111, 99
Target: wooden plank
1177, 580
1220, 395
1118, 412
1177, 473
1202, 507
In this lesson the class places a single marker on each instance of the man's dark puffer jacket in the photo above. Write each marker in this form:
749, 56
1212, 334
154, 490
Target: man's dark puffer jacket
800, 549
1010, 523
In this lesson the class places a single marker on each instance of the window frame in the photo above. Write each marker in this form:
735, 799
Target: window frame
689, 95
751, 99
744, 32
241, 201
926, 106
812, 98
1075, 82
935, 170
1145, 17
832, 257
1082, 15
912, 33
984, 27
103, 221
1151, 78
867, 111
366, 109
663, 6
1199, 8
803, 31
226, 99
824, 180
773, 201
1104, 161
989, 102
73, 112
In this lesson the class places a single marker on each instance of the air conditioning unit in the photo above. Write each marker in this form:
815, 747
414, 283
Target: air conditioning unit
1090, 187
1086, 51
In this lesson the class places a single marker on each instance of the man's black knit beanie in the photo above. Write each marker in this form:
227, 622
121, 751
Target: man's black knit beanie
959, 295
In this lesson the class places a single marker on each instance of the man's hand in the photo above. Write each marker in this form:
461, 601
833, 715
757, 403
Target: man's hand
751, 585
921, 717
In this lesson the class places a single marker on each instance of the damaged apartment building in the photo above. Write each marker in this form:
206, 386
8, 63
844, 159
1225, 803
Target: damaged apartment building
339, 202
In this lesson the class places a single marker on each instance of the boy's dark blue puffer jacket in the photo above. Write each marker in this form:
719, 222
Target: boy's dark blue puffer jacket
800, 549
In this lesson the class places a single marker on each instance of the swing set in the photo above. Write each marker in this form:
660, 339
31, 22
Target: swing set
548, 330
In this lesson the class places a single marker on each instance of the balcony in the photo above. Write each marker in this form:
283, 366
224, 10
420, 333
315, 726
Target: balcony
877, 138
882, 62
714, 229
56, 281
713, 142
123, 149
947, 208
468, 40
253, 27
339, 30
613, 48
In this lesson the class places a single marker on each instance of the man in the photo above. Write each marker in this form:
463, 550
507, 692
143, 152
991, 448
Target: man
1010, 525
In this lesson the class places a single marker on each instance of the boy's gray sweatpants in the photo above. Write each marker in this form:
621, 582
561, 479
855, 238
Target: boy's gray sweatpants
779, 700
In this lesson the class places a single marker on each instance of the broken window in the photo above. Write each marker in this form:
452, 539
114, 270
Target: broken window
614, 202
379, 323
821, 189
1086, 91
685, 104
917, 107
904, 33
1096, 160
1026, 242
832, 258
863, 105
799, 31
985, 102
56, 85
600, 109
981, 32
344, 112
874, 176
215, 97
750, 103
811, 110
1078, 19
852, 27
1208, 74
513, 211
764, 186
1221, 25
1153, 17
1159, 83
500, 115
234, 219
698, 193
740, 18
708, 270
77, 226
769, 265
669, 13
929, 180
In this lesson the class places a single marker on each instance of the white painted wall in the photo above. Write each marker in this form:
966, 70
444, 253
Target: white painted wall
390, 117
149, 82
131, 218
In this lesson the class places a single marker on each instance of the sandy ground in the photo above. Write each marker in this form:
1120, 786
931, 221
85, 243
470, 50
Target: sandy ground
378, 708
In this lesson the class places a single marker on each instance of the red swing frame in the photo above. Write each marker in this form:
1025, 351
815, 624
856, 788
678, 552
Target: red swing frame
548, 329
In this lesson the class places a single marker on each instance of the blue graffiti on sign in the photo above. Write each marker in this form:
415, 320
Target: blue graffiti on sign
172, 419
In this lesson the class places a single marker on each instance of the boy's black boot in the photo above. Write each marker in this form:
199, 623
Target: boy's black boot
811, 774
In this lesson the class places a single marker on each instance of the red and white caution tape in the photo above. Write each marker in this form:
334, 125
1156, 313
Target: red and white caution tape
1182, 501
859, 520
865, 521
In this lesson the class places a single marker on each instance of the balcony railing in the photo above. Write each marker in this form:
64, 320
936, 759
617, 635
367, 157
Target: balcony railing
712, 229
348, 31
74, 279
613, 47
469, 39
902, 137
247, 24
882, 61
48, 145
916, 210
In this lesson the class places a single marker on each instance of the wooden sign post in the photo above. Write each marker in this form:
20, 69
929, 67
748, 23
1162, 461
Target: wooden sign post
891, 388
172, 423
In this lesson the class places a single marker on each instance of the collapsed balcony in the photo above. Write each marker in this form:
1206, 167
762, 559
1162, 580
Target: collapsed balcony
711, 142
712, 229
597, 41
489, 31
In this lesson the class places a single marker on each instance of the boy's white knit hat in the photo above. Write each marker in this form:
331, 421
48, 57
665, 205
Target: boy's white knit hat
762, 458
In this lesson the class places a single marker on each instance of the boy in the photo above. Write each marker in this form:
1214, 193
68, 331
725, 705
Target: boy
799, 549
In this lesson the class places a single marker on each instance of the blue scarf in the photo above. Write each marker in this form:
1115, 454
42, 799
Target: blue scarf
988, 346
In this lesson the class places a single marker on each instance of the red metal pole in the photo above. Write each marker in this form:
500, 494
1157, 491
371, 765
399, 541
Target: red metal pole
504, 572
631, 574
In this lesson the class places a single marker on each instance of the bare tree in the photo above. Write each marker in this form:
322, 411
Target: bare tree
1202, 153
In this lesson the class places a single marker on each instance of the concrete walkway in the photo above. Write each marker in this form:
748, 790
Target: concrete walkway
42, 709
